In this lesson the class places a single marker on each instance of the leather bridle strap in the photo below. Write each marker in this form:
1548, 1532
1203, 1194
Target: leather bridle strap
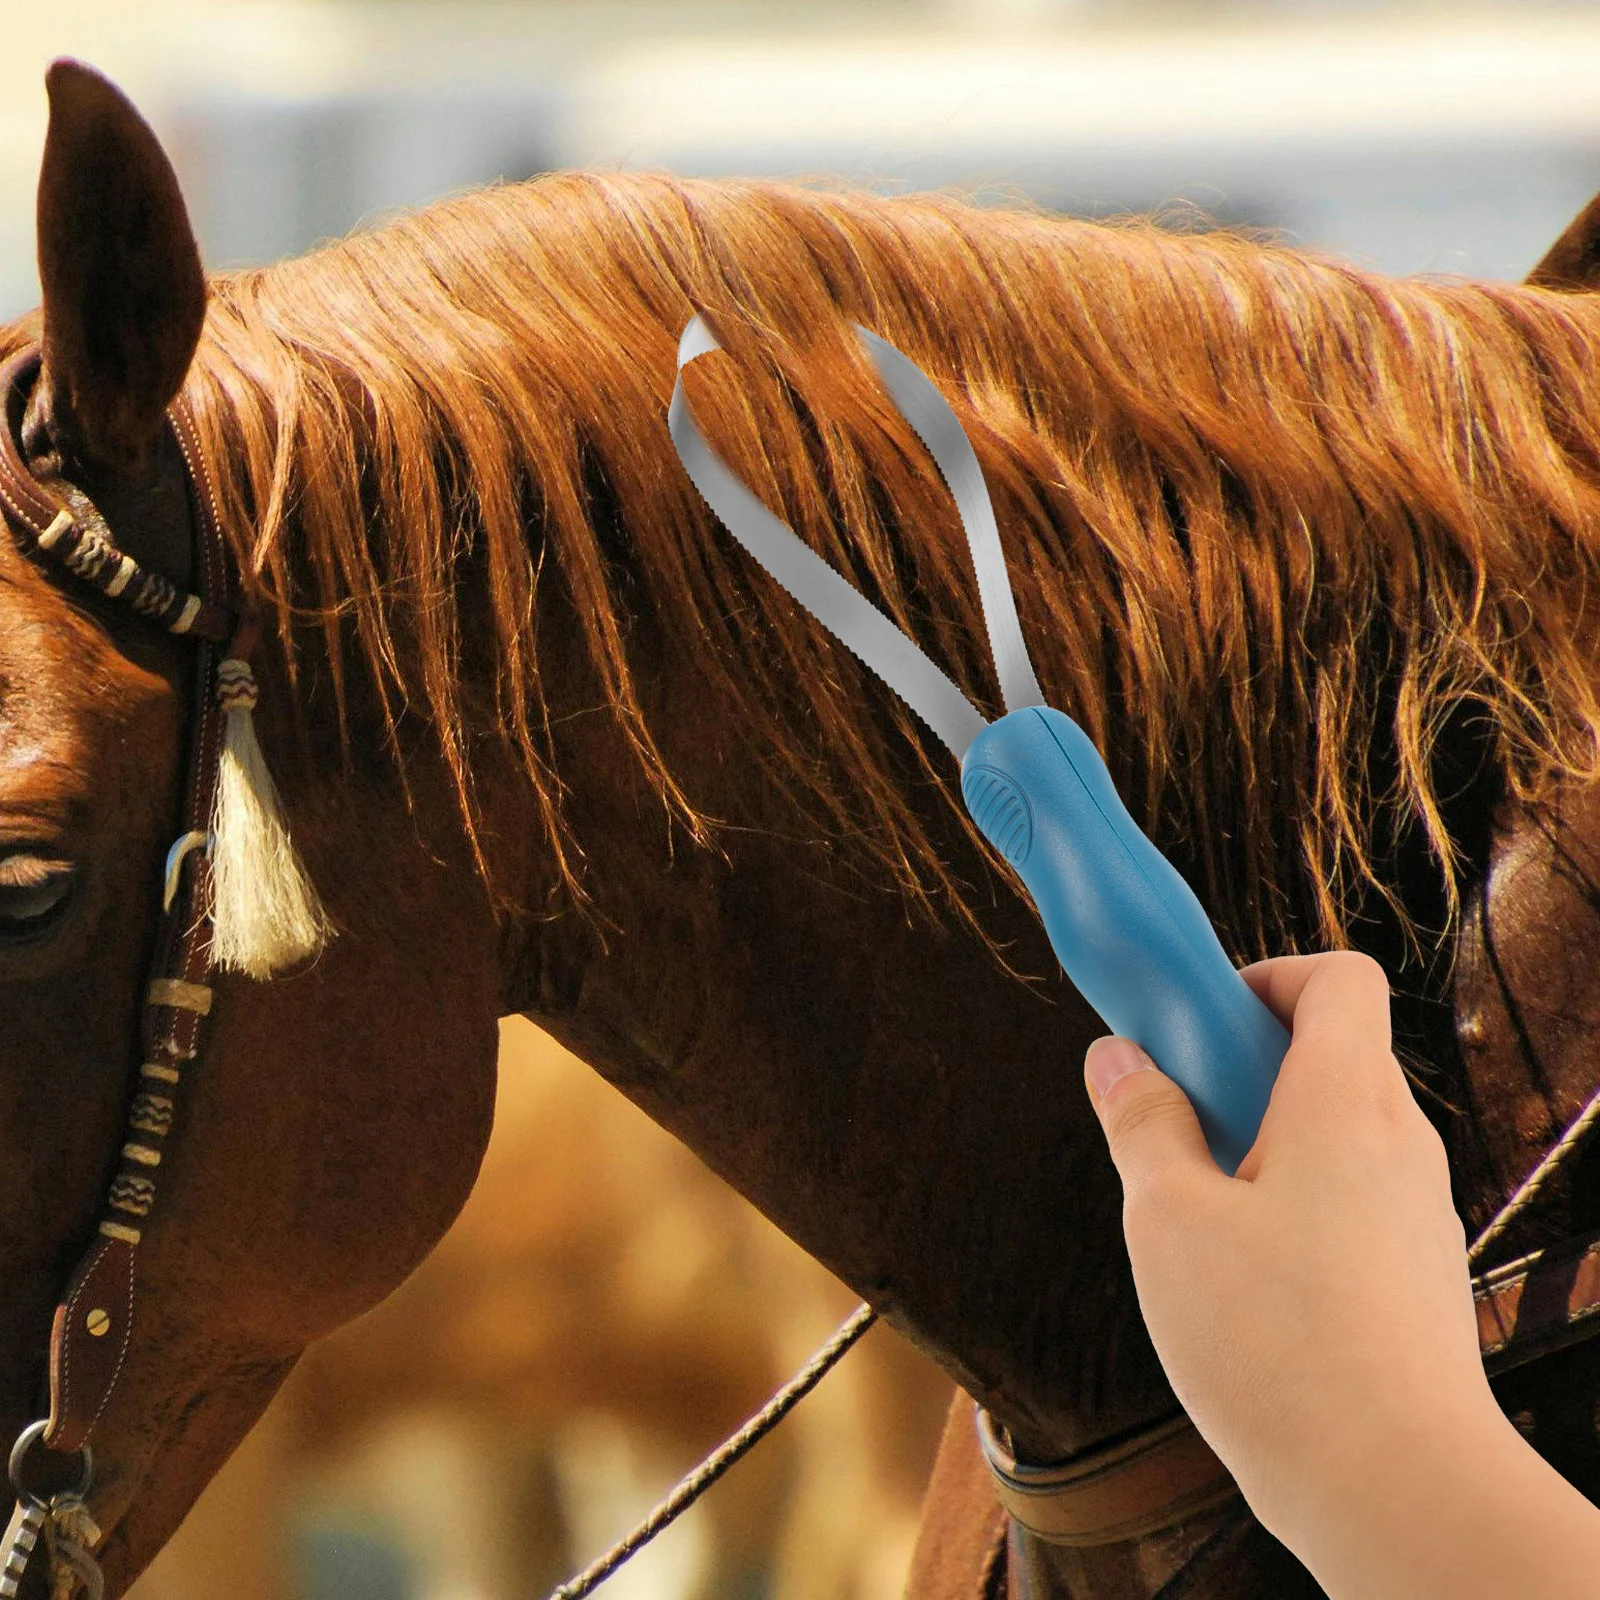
73, 536
93, 1323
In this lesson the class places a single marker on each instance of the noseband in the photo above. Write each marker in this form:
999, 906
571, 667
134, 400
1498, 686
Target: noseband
93, 1322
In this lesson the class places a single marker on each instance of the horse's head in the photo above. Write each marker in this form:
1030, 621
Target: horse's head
248, 1257
91, 719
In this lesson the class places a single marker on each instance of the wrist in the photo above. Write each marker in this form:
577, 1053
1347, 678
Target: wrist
1441, 1500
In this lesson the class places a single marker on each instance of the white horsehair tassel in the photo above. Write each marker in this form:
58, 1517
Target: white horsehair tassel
265, 912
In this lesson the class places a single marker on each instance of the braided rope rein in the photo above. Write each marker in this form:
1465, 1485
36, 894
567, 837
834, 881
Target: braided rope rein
723, 1457
1535, 1181
70, 1537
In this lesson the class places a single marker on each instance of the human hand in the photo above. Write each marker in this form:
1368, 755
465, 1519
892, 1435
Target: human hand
1317, 1306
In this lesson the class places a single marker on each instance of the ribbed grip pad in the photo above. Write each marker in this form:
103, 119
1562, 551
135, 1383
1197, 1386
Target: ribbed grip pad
1001, 811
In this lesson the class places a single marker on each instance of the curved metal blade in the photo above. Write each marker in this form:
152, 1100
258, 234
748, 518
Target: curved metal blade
940, 430
851, 617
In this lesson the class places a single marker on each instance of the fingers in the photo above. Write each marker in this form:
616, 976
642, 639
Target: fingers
1338, 991
1149, 1121
1279, 982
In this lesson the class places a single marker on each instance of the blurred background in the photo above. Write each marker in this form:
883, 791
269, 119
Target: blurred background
559, 1362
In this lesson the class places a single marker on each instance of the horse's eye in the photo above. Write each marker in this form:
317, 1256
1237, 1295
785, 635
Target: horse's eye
32, 890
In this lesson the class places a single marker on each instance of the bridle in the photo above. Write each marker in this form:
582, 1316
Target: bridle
1142, 1483
93, 1322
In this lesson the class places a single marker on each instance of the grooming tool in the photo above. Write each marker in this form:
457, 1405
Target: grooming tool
1126, 927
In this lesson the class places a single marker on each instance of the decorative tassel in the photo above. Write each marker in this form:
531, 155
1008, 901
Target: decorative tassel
265, 912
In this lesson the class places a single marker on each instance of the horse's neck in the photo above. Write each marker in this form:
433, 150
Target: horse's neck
908, 1113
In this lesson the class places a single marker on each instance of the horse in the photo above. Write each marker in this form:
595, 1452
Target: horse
1307, 552
601, 1299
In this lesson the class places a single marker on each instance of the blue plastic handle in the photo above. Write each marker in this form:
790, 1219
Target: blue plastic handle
1126, 927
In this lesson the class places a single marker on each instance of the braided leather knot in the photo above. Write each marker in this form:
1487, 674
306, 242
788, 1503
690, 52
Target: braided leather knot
236, 686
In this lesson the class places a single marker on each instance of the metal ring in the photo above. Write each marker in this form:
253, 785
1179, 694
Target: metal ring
30, 1436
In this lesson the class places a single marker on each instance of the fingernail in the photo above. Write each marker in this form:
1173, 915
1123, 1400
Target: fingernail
1113, 1058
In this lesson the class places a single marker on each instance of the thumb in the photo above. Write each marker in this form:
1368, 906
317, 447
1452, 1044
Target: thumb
1148, 1120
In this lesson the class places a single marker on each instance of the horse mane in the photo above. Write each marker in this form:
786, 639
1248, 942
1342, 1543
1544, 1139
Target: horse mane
1241, 490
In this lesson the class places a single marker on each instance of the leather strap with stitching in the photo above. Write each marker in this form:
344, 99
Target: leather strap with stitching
93, 1322
58, 535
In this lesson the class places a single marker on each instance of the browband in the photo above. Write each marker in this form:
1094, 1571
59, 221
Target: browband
68, 539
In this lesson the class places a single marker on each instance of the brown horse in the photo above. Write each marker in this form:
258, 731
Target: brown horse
1310, 554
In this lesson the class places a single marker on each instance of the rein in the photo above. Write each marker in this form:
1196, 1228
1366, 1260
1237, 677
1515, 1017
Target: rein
724, 1456
1138, 1485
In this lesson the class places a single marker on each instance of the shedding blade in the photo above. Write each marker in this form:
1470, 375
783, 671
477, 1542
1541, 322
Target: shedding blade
854, 620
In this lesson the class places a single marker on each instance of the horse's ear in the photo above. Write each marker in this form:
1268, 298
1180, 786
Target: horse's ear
124, 292
1573, 261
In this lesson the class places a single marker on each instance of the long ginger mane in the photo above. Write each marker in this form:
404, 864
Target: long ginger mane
1265, 513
